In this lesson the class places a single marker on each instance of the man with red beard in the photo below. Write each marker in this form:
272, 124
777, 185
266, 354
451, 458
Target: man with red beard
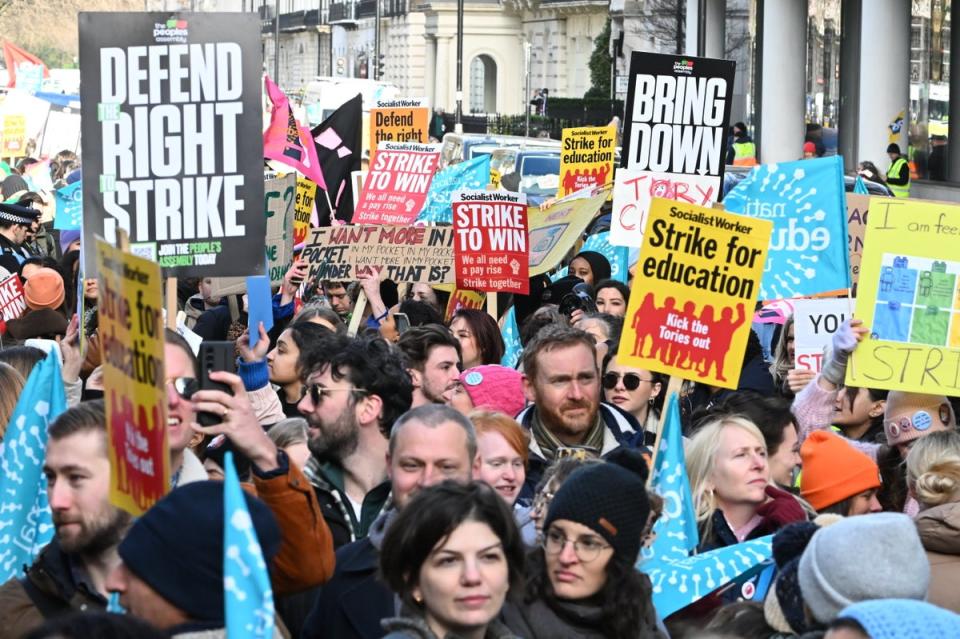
70, 573
566, 418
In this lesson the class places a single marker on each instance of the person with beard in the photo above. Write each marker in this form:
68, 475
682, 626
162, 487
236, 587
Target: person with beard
562, 382
428, 445
355, 388
433, 362
70, 573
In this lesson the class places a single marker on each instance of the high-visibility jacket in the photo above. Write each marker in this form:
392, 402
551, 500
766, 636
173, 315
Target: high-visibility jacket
899, 190
744, 153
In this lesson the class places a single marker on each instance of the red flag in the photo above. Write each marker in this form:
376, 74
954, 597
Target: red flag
287, 141
13, 56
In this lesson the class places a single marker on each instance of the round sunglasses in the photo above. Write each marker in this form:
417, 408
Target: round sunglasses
631, 381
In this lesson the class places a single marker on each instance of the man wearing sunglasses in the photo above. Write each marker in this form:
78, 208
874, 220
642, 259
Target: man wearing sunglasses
562, 382
354, 390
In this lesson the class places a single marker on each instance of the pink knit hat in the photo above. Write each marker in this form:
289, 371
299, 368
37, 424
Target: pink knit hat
494, 387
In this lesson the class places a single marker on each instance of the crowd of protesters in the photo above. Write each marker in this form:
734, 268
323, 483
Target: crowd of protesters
404, 483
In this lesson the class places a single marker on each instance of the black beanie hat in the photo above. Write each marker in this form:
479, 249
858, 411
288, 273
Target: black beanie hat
176, 547
893, 148
610, 499
599, 265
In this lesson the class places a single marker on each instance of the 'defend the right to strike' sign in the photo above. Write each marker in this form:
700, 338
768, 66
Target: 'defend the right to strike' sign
168, 104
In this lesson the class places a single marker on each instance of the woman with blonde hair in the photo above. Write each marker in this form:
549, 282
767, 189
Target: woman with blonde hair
729, 475
12, 382
933, 479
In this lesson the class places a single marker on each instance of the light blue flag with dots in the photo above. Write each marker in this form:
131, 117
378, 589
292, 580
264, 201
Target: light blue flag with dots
676, 529
680, 578
25, 522
511, 340
807, 204
247, 592
69, 207
470, 175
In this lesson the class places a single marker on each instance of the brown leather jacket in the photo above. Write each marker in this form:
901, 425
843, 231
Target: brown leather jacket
306, 557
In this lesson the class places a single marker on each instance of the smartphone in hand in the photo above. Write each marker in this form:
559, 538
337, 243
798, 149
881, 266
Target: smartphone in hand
215, 356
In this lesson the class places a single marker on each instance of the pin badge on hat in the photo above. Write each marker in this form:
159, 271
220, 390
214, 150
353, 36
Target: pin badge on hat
473, 378
922, 420
894, 430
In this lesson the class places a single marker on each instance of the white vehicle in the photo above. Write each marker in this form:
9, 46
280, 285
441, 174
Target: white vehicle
324, 95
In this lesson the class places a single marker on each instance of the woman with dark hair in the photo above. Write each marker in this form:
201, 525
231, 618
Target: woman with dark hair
452, 555
634, 390
590, 266
859, 413
582, 581
22, 358
321, 314
612, 297
479, 336
282, 362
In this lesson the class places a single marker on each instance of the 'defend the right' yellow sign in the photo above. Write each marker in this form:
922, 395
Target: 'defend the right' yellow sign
909, 299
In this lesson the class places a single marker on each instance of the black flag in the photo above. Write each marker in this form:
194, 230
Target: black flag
339, 147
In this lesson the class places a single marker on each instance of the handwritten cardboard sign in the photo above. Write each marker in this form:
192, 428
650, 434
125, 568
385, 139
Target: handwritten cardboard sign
130, 308
909, 299
634, 191
407, 254
396, 186
815, 322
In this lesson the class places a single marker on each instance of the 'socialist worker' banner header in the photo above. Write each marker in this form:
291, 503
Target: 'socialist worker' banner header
172, 153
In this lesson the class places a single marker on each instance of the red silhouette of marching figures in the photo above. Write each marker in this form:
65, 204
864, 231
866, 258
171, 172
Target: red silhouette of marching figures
684, 339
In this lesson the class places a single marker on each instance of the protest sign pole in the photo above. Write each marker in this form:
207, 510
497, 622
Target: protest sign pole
172, 303
358, 310
492, 305
673, 386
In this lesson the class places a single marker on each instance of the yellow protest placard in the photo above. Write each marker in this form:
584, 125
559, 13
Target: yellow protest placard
555, 229
693, 296
14, 140
586, 160
406, 120
908, 298
303, 208
130, 308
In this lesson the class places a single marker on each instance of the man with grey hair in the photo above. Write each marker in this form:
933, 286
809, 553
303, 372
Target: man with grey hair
428, 445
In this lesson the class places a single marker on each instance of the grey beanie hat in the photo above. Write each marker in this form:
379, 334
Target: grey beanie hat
861, 558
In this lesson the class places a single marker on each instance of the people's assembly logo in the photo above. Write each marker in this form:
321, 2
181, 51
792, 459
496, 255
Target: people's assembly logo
171, 31
683, 66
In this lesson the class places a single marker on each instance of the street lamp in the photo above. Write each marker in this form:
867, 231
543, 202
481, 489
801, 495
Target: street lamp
458, 125
276, 42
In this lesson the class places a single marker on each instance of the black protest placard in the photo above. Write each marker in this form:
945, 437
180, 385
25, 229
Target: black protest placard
172, 150
677, 113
